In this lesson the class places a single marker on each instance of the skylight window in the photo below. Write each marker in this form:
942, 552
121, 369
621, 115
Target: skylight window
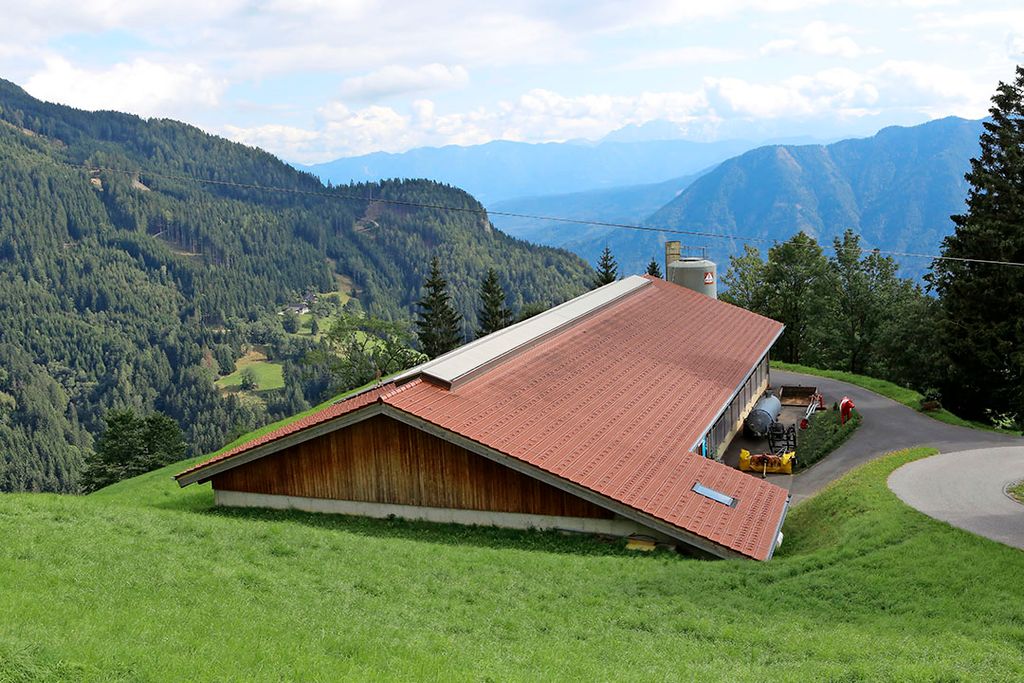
714, 495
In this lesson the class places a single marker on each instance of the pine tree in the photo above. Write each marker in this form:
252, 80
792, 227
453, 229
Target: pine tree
438, 325
607, 269
494, 313
653, 268
983, 302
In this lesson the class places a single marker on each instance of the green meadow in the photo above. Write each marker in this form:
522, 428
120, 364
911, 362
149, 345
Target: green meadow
143, 581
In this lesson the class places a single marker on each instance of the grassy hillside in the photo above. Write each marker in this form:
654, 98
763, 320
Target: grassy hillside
147, 582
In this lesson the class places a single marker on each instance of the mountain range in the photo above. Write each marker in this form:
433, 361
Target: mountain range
503, 170
896, 188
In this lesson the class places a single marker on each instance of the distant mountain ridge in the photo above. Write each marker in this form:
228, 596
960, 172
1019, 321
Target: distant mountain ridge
502, 170
629, 205
897, 189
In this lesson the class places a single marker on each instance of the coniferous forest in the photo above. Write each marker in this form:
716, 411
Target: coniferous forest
125, 281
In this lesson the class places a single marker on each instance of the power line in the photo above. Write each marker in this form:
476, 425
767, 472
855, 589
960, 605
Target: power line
337, 194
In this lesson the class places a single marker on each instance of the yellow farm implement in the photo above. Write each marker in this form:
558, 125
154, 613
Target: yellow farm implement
767, 462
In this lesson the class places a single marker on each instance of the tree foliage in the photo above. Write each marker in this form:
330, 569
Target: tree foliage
607, 269
131, 445
653, 268
249, 380
494, 313
798, 285
438, 325
850, 311
982, 326
290, 321
363, 349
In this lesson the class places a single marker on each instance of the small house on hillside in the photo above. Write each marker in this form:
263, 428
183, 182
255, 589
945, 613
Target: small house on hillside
604, 414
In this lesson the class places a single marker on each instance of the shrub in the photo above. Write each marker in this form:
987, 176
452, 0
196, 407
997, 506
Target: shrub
823, 435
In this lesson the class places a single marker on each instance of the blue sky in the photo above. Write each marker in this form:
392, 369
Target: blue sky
312, 80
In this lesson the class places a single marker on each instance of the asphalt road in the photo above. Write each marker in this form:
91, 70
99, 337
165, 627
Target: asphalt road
887, 426
966, 489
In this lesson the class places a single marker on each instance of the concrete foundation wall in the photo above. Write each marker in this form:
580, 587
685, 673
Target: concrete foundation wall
613, 527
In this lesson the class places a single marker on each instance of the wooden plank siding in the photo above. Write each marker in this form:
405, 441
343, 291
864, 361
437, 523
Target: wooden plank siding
381, 460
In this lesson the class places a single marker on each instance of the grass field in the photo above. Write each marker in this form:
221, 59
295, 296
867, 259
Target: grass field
269, 375
146, 582
907, 397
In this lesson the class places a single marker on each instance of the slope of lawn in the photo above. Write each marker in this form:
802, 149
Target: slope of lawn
147, 582
908, 397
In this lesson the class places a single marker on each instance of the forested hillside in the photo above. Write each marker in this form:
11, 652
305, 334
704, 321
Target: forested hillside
896, 189
118, 285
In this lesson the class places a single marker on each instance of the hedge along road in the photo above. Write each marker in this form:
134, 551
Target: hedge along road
887, 426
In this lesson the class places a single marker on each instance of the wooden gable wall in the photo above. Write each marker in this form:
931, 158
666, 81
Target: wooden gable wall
382, 460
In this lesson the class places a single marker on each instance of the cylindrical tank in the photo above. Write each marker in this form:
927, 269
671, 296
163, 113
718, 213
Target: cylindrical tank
694, 273
764, 415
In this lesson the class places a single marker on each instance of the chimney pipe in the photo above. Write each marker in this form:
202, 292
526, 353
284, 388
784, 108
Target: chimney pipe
673, 252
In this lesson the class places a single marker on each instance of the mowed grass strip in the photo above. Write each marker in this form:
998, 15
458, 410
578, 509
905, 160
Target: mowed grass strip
908, 397
168, 588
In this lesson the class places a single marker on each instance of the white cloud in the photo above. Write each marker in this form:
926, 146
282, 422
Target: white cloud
400, 80
934, 89
140, 86
720, 106
1015, 45
817, 38
683, 56
614, 15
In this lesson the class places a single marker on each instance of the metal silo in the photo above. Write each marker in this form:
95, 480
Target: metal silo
694, 273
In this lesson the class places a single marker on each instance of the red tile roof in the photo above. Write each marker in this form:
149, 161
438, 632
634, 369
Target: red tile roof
613, 403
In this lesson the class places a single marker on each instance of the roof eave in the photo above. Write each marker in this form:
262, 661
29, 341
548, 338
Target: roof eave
667, 528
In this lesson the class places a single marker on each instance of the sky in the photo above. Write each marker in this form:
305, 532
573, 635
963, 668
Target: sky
314, 80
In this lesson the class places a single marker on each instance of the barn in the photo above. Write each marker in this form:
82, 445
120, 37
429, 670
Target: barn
605, 414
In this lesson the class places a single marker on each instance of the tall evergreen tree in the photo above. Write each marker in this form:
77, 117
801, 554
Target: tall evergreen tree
653, 268
438, 325
607, 269
494, 313
982, 303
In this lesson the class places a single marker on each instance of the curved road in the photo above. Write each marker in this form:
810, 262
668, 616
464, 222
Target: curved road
887, 426
966, 489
